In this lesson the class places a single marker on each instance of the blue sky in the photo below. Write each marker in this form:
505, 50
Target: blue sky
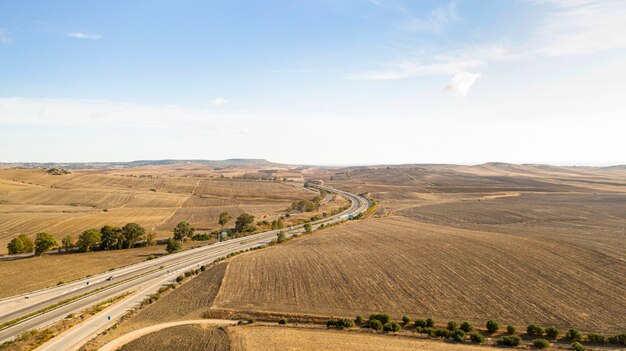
304, 81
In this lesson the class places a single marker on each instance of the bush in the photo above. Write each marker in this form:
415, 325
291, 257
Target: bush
442, 333
619, 339
418, 329
452, 325
375, 324
541, 343
340, 323
492, 326
466, 327
430, 322
509, 340
173, 245
406, 319
250, 320
428, 331
391, 327
510, 329
359, 320
534, 330
477, 337
180, 278
383, 318
420, 323
552, 332
282, 321
597, 338
573, 334
578, 346
458, 335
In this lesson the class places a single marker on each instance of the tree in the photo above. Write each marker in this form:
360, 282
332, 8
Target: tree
20, 244
391, 327
552, 332
578, 346
278, 224
492, 326
224, 218
534, 330
282, 321
183, 230
244, 223
173, 245
150, 239
67, 243
452, 325
573, 334
509, 340
383, 318
510, 329
466, 327
308, 227
359, 320
541, 343
132, 232
477, 337
458, 335
406, 319
43, 243
280, 237
420, 323
430, 322
111, 238
375, 324
88, 239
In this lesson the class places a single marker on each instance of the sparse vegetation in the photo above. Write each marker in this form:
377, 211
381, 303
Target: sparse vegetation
573, 334
541, 343
534, 330
509, 340
492, 326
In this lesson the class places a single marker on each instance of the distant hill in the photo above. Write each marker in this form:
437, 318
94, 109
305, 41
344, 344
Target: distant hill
138, 163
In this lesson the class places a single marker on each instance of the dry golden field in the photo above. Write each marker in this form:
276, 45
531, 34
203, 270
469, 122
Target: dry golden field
31, 200
184, 337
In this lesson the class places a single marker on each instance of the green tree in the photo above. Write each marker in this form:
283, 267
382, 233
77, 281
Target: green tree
280, 237
278, 224
224, 219
359, 320
67, 243
244, 223
183, 230
20, 244
552, 332
43, 243
391, 327
510, 329
541, 343
430, 322
132, 232
458, 335
88, 239
111, 238
452, 325
375, 324
406, 319
308, 227
383, 318
534, 330
173, 245
466, 327
509, 340
150, 239
477, 337
573, 334
578, 346
492, 326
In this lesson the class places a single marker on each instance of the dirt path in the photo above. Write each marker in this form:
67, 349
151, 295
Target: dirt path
126, 338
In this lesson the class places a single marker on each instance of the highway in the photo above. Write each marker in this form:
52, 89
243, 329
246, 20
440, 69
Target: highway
141, 279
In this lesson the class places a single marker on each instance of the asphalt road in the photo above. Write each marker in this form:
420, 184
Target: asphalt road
141, 279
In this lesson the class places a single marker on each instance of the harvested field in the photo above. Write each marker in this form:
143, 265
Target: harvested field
32, 201
399, 266
184, 337
261, 338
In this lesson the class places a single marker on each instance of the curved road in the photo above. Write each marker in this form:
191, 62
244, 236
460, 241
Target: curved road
141, 279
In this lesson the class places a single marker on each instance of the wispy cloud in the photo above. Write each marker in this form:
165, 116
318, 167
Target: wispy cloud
5, 38
80, 35
436, 20
217, 102
462, 82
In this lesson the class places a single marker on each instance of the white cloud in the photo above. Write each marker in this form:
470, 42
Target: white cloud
436, 20
462, 82
217, 102
5, 38
79, 35
577, 27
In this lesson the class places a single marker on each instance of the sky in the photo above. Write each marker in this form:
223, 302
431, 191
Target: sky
326, 82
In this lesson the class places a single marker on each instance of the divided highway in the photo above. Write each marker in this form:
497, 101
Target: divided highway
141, 279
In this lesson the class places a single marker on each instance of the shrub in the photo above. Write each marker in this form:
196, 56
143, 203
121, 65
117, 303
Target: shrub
406, 319
541, 343
492, 326
442, 333
477, 337
509, 340
418, 329
598, 338
458, 335
619, 339
510, 329
428, 331
552, 332
578, 346
375, 324
573, 334
534, 330
250, 320
340, 323
430, 322
359, 320
391, 327
180, 278
420, 323
282, 321
383, 318
452, 325
466, 327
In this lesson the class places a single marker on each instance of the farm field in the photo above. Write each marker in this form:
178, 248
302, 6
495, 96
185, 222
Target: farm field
32, 200
184, 337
